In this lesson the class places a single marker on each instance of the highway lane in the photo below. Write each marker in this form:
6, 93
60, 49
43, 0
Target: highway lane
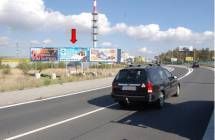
19, 119
113, 123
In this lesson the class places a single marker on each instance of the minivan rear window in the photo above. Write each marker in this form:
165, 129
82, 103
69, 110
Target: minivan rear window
155, 76
131, 76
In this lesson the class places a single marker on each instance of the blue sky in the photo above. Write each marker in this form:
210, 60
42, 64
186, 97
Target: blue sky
194, 14
141, 27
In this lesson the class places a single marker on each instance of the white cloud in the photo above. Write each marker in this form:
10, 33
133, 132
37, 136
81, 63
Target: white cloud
145, 50
34, 15
47, 41
120, 27
35, 42
4, 40
152, 32
43, 42
106, 44
22, 14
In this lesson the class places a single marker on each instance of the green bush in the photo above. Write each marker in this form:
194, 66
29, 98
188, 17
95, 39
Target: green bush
4, 66
61, 65
47, 82
24, 67
6, 70
41, 66
107, 66
45, 65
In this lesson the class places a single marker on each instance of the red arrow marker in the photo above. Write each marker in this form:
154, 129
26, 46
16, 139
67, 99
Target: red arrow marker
73, 36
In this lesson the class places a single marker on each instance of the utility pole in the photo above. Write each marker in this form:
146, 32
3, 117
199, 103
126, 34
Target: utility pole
95, 24
17, 50
194, 55
172, 55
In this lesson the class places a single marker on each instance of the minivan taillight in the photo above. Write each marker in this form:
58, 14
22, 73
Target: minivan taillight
149, 87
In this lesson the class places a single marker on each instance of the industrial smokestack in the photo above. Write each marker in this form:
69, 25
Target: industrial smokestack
95, 26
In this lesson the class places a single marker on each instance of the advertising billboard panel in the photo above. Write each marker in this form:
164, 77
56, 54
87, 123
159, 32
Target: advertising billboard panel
189, 59
174, 59
44, 54
103, 55
73, 54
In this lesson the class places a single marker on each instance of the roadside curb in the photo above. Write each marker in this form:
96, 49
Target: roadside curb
209, 133
209, 68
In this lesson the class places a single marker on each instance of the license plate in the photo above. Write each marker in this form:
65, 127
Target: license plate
129, 88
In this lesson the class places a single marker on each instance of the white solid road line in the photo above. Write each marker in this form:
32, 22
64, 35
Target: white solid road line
190, 70
58, 123
50, 98
76, 117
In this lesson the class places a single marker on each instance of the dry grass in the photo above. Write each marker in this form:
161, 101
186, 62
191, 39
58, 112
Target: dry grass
16, 80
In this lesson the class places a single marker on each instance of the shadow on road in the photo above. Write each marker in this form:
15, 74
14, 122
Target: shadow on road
187, 119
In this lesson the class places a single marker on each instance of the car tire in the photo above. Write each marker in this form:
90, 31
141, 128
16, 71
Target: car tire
161, 101
177, 91
122, 104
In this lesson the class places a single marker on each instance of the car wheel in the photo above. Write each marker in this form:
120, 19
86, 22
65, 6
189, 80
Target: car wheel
177, 91
122, 103
160, 102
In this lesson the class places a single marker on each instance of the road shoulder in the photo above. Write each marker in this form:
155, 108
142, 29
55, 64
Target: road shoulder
52, 91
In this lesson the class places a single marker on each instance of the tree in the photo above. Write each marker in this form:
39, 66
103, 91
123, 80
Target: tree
203, 54
139, 60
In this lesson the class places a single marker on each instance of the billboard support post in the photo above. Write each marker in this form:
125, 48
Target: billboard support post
76, 67
66, 69
35, 65
96, 67
82, 67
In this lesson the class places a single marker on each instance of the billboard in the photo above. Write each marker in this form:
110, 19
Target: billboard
73, 54
174, 59
103, 55
44, 54
189, 59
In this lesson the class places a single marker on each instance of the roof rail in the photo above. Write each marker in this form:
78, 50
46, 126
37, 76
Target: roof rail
151, 64
132, 65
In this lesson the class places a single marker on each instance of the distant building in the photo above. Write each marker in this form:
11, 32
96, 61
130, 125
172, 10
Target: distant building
126, 57
13, 62
148, 60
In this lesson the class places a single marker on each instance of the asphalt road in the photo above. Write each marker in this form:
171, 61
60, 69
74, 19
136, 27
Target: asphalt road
86, 116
